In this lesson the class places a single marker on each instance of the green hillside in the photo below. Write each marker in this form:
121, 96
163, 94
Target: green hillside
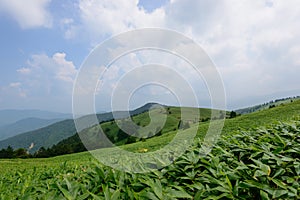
257, 157
24, 125
46, 136
267, 105
119, 137
244, 122
52, 134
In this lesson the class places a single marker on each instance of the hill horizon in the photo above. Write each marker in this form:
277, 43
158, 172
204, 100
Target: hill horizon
63, 129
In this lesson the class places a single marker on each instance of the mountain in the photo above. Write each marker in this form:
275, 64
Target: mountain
252, 121
119, 137
11, 116
52, 134
24, 125
266, 105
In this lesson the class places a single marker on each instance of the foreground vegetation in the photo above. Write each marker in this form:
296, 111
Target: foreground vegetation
257, 157
261, 164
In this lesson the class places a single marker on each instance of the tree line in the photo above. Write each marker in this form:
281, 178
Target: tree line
9, 152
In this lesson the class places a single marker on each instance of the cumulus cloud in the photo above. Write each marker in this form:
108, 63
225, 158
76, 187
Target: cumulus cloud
45, 81
29, 13
100, 19
55, 71
254, 44
161, 84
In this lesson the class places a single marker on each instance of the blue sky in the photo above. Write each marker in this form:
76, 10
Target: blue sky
254, 44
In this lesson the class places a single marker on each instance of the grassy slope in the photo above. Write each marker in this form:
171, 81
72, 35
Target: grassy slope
142, 119
256, 119
111, 128
244, 122
172, 121
265, 106
37, 173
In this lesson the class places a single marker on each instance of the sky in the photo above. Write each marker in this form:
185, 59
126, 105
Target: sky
255, 46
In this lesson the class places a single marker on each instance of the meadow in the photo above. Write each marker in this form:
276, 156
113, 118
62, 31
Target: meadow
256, 157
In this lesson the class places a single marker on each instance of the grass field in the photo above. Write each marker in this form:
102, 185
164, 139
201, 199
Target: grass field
257, 157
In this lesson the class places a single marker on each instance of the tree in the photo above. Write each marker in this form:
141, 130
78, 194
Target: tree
42, 153
130, 140
121, 136
271, 106
9, 152
232, 114
21, 153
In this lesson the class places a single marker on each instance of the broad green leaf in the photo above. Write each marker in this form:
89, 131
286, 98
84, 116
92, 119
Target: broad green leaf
115, 195
157, 188
83, 196
178, 194
95, 196
279, 193
265, 168
263, 195
279, 172
65, 192
279, 183
148, 195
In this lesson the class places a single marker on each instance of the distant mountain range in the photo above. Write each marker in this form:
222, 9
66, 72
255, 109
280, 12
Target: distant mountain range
24, 125
12, 116
54, 133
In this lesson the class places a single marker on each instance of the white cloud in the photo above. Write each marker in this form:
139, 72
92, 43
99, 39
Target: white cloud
255, 44
15, 84
66, 70
12, 93
24, 70
100, 19
29, 13
55, 71
44, 83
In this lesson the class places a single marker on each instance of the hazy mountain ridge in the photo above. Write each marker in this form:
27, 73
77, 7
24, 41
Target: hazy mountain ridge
24, 125
10, 116
54, 133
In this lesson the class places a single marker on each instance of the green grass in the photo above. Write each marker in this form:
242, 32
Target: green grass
256, 157
243, 122
173, 117
267, 105
156, 121
259, 164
